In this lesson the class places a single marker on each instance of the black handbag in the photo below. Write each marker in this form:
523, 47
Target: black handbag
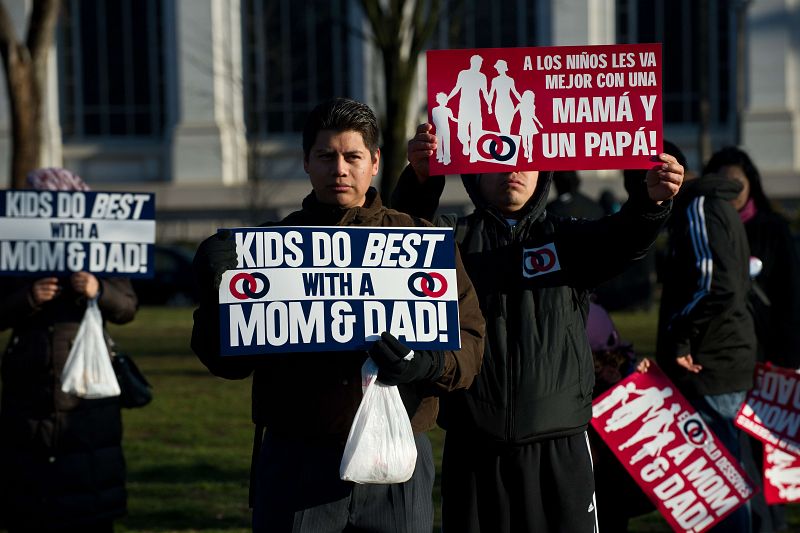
135, 390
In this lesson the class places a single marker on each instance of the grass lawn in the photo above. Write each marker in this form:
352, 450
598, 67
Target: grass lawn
188, 452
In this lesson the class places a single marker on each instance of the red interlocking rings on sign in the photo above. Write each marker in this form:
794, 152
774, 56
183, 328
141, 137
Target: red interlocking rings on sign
540, 260
695, 432
249, 285
426, 284
497, 147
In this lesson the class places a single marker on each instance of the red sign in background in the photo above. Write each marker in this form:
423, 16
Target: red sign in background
771, 414
545, 108
669, 450
771, 411
781, 475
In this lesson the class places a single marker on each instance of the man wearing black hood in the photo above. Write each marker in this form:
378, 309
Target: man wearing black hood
516, 456
706, 337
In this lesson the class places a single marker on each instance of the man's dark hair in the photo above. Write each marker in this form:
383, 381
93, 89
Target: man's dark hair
341, 114
734, 156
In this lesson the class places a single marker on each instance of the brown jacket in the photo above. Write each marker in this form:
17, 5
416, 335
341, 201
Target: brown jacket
317, 394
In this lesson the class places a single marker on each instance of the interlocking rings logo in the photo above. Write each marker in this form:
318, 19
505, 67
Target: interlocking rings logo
249, 285
695, 432
426, 284
496, 147
541, 260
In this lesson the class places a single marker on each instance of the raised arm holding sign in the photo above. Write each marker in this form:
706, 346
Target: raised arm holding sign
522, 426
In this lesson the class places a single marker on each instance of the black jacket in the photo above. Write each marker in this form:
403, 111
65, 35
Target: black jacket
775, 302
316, 395
706, 283
537, 376
61, 462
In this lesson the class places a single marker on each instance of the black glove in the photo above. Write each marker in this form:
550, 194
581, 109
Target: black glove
393, 369
214, 256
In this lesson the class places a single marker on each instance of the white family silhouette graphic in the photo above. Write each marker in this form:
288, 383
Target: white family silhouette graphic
782, 475
471, 85
647, 403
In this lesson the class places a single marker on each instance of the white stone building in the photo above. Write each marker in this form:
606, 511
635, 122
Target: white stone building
202, 101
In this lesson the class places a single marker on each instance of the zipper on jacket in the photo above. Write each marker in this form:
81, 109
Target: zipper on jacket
512, 238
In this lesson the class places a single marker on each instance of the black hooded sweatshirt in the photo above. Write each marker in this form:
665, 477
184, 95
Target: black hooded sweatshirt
533, 281
706, 284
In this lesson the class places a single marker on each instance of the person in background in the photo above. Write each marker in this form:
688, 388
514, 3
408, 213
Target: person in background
570, 201
516, 453
775, 298
634, 288
608, 202
304, 403
61, 462
706, 338
619, 498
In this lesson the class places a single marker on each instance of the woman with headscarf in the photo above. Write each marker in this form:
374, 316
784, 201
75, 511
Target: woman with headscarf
61, 462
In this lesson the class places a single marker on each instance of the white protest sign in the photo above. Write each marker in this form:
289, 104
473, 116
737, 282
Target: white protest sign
325, 289
57, 232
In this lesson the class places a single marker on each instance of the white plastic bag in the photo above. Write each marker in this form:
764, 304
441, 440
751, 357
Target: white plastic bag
88, 372
380, 447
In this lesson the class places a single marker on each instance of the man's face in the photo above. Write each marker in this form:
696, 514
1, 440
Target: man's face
735, 172
341, 168
508, 191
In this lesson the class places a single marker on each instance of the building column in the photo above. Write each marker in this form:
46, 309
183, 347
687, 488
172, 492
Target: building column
578, 22
208, 140
771, 126
51, 153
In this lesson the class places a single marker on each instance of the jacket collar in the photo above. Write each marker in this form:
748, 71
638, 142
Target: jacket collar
333, 215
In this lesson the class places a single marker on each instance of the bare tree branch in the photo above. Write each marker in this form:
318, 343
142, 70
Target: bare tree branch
424, 24
376, 17
8, 35
26, 73
41, 28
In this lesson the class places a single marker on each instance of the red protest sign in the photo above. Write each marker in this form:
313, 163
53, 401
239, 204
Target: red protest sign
669, 450
546, 108
781, 475
771, 411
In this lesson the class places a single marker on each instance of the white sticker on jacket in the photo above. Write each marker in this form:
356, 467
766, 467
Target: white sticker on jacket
540, 260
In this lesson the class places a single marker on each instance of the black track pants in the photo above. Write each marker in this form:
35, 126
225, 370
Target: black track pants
542, 487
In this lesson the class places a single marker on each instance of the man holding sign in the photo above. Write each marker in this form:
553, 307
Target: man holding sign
307, 401
516, 455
